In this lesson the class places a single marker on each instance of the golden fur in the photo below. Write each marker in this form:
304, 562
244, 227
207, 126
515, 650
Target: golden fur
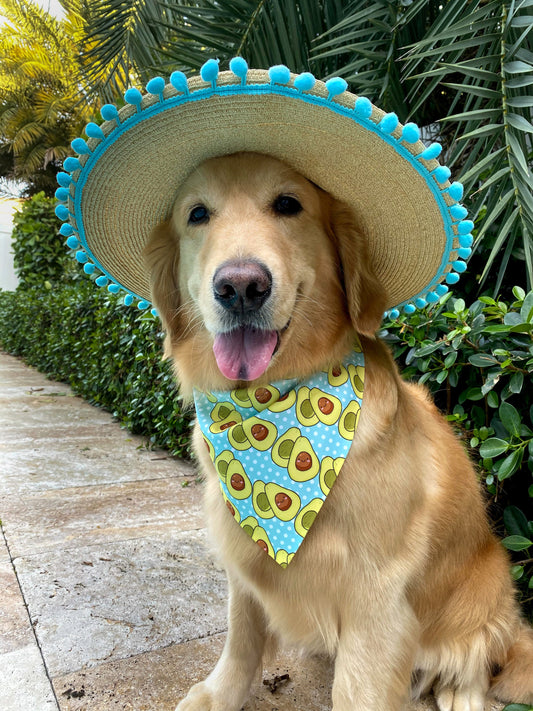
400, 578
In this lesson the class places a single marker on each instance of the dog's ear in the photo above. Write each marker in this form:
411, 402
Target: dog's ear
161, 258
365, 295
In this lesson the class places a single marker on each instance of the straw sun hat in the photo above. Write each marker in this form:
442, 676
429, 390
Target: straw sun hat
129, 169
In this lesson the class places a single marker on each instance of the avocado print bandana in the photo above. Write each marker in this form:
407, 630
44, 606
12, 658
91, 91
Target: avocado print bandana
278, 449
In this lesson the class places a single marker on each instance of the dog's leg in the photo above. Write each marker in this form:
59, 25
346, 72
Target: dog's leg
228, 685
375, 658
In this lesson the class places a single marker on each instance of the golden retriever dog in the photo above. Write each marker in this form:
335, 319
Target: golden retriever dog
400, 578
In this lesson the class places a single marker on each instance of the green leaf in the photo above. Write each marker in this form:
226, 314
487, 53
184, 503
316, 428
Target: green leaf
517, 543
519, 122
517, 572
515, 521
493, 447
510, 418
520, 101
517, 67
510, 464
427, 350
526, 312
516, 382
518, 707
493, 399
482, 360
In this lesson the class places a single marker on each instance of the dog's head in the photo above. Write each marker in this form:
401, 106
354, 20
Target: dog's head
259, 273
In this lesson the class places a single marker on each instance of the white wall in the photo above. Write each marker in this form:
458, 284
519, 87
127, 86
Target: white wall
8, 279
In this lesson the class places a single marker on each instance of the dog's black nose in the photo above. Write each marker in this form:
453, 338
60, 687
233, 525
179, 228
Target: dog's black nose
242, 286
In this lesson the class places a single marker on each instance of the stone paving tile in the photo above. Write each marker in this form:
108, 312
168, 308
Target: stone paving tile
15, 628
157, 681
24, 685
105, 602
93, 455
59, 518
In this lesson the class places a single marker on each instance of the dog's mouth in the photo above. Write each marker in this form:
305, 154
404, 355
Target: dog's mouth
245, 353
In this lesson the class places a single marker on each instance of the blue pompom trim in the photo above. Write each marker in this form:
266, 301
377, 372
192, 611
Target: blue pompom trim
280, 74
239, 67
73, 180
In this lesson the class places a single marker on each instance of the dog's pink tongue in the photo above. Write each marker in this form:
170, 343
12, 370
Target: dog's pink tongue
244, 354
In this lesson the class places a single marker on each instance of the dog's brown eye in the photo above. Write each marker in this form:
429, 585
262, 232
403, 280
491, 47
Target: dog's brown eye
287, 205
198, 214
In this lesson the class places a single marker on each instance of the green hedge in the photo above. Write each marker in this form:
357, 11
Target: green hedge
39, 254
478, 362
110, 354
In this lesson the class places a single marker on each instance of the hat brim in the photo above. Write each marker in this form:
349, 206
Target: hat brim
128, 180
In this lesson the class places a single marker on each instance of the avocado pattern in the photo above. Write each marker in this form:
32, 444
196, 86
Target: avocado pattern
278, 449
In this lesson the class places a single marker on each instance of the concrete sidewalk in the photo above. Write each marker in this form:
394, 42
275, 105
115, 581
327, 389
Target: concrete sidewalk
110, 600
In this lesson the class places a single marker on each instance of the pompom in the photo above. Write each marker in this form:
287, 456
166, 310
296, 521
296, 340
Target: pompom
279, 74
388, 123
179, 82
442, 173
410, 133
452, 278
128, 299
420, 303
134, 97
209, 72
94, 131
73, 242
239, 67
336, 86
142, 305
66, 230
431, 152
82, 257
113, 288
89, 268
80, 146
441, 289
64, 180
363, 107
466, 240
455, 191
464, 227
409, 308
102, 281
71, 164
109, 112
62, 212
156, 86
154, 312
464, 252
459, 266
305, 81
393, 314
458, 212
432, 297
62, 194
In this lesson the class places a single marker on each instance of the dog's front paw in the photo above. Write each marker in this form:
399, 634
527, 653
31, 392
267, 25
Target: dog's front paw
202, 698
452, 699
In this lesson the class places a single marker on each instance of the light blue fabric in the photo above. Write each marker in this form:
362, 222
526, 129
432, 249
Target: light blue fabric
278, 449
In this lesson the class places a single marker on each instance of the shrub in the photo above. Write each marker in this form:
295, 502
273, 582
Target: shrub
478, 362
39, 253
110, 354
